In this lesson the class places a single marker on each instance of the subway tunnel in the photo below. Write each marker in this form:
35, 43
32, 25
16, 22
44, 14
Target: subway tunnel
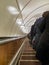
16, 19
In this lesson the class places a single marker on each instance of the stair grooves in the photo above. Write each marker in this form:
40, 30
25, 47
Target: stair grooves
29, 53
29, 62
28, 50
28, 56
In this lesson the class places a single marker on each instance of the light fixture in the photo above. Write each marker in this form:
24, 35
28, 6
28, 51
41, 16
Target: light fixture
19, 21
24, 29
12, 10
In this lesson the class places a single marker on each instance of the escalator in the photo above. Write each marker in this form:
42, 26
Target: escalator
28, 56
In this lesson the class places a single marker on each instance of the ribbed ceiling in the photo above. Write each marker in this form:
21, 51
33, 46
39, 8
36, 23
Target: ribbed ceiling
19, 22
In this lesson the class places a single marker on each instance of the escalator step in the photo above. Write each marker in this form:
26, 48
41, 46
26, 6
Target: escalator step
32, 53
28, 57
29, 62
28, 50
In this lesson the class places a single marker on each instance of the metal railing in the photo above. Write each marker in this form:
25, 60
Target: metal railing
17, 55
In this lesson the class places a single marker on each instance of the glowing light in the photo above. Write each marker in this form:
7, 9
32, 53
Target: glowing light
12, 10
23, 28
19, 21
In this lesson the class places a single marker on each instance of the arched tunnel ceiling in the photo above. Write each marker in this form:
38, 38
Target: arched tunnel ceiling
19, 22
8, 26
32, 9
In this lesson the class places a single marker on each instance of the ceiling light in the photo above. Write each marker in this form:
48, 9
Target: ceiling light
19, 21
12, 10
23, 28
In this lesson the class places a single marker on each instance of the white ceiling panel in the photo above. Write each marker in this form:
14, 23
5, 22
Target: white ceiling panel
11, 15
7, 18
33, 9
23, 3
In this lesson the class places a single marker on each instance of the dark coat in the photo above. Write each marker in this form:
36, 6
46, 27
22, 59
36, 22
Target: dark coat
35, 28
38, 30
42, 48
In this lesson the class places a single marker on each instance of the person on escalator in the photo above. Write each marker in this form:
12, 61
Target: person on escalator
39, 28
31, 34
42, 48
37, 32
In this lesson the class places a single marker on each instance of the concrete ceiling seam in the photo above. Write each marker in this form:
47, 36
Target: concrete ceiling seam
24, 7
35, 10
19, 10
31, 18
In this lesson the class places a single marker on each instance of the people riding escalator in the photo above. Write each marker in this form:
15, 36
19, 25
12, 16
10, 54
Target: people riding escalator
42, 48
37, 29
40, 39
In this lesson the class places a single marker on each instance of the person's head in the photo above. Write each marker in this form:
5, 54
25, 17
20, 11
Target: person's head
29, 35
45, 13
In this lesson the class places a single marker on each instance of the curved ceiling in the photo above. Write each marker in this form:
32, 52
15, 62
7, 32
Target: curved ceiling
17, 16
